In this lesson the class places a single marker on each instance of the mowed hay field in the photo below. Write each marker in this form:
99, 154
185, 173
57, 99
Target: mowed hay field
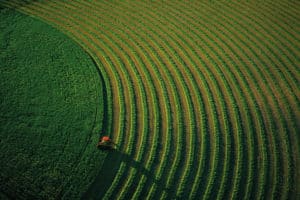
201, 97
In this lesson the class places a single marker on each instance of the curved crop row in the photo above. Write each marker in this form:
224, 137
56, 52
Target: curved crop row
269, 81
129, 145
280, 58
221, 43
197, 104
224, 63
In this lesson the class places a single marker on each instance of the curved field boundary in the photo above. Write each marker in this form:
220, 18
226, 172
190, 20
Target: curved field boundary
51, 134
198, 104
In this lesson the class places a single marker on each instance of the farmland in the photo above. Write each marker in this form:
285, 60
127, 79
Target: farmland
202, 99
51, 110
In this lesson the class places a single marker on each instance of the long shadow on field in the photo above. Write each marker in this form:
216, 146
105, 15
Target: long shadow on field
109, 170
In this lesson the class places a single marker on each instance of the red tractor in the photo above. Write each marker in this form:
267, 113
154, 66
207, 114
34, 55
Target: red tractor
106, 143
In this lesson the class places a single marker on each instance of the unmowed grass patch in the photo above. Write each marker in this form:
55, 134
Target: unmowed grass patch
51, 111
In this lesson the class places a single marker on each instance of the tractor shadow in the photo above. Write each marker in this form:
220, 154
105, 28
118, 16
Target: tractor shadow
109, 170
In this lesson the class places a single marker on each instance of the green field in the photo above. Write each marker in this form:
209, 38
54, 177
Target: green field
51, 111
202, 99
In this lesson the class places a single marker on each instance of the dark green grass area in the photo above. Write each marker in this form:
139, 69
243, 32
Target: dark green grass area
51, 111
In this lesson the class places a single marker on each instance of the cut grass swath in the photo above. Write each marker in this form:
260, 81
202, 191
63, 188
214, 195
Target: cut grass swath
196, 76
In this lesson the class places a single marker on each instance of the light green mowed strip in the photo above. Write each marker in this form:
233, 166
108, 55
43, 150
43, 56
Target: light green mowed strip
204, 96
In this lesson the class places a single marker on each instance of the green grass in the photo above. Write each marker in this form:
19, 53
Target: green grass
202, 98
51, 111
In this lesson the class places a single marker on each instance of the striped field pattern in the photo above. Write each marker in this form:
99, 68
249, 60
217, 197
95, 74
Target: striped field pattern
203, 98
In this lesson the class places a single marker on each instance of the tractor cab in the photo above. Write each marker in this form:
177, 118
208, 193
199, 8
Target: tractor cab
105, 143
